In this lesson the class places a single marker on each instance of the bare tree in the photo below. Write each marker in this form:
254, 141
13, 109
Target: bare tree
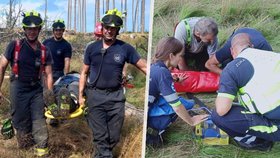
83, 14
143, 16
113, 4
121, 5
103, 6
9, 22
46, 18
132, 15
107, 5
75, 15
136, 16
125, 8
69, 17
79, 15
97, 12
13, 15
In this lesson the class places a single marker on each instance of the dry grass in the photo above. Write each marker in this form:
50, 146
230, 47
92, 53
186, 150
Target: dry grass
73, 138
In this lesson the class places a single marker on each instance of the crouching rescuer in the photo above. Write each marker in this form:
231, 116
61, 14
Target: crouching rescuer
30, 61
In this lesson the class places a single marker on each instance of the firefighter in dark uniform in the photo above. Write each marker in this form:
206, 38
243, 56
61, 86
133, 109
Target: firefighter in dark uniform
61, 50
30, 62
104, 60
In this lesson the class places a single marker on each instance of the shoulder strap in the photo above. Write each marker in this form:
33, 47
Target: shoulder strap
15, 66
43, 60
188, 29
16, 56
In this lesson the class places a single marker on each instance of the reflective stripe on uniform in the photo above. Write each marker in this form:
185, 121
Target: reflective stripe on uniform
264, 129
261, 93
41, 151
188, 29
176, 104
247, 112
277, 67
226, 95
171, 97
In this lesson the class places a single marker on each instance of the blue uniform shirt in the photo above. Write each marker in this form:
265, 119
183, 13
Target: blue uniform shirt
161, 84
257, 39
28, 69
114, 59
235, 75
60, 50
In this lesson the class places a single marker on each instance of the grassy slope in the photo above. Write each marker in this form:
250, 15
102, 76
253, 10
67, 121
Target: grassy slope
263, 15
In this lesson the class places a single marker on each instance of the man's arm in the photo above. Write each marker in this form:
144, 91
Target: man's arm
213, 65
82, 83
66, 65
223, 105
3, 65
48, 77
142, 65
124, 72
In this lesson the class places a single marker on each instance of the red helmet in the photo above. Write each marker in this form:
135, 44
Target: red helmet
98, 29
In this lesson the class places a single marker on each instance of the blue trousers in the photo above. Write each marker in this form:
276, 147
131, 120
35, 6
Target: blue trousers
238, 123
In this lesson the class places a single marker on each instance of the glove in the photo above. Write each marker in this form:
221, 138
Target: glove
85, 111
54, 110
49, 99
7, 129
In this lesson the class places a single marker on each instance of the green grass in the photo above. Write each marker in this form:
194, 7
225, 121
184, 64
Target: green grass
263, 15
179, 141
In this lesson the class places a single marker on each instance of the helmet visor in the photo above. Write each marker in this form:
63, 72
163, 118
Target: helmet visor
112, 20
32, 21
58, 25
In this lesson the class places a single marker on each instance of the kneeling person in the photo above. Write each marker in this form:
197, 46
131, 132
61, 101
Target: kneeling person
254, 124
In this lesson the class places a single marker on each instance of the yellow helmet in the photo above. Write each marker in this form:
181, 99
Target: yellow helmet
32, 19
58, 24
112, 18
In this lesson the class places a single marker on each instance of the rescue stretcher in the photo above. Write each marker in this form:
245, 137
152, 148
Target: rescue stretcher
74, 114
196, 82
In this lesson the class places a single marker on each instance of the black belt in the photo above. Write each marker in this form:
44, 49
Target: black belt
105, 89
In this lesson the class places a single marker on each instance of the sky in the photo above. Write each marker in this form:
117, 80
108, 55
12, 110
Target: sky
57, 9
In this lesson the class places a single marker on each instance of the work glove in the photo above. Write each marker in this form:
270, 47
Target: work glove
50, 102
7, 129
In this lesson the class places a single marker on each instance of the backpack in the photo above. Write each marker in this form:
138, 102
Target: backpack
16, 57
